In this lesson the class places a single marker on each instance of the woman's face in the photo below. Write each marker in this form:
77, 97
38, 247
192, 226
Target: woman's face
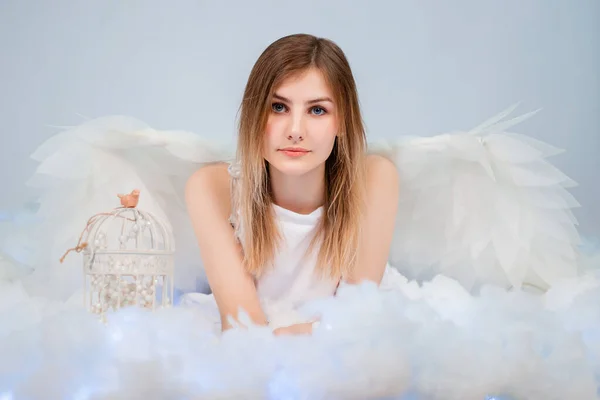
302, 124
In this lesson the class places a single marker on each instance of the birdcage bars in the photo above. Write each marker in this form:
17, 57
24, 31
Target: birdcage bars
128, 272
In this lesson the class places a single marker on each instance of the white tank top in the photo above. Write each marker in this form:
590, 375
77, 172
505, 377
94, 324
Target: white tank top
292, 279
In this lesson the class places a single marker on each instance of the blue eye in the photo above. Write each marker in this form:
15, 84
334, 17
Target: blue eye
278, 107
318, 111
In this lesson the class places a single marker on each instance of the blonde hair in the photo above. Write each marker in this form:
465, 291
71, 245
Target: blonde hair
339, 228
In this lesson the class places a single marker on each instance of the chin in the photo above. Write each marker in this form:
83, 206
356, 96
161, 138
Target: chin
292, 167
296, 169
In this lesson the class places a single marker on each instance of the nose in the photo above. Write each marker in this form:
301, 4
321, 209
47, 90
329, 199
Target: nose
296, 129
295, 137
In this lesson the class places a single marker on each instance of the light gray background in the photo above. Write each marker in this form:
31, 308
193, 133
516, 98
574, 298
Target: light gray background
423, 67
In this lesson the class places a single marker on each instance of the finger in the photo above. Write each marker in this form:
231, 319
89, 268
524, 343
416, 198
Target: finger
280, 331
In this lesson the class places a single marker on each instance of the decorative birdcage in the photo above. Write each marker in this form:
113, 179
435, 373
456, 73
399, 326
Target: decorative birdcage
128, 259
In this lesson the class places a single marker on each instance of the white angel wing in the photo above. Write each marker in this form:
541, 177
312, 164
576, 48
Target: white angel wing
82, 169
483, 206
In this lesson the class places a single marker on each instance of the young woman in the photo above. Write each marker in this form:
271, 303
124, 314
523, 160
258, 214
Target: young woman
304, 207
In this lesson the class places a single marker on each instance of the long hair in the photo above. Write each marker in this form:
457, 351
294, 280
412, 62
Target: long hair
339, 229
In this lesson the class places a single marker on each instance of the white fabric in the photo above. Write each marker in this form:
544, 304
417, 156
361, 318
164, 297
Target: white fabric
483, 206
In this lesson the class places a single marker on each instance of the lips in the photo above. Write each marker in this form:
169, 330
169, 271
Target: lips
294, 150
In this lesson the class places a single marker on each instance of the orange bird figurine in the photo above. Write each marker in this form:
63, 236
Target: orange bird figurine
130, 200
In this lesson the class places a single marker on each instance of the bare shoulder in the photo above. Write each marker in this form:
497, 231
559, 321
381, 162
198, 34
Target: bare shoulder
209, 186
212, 174
381, 173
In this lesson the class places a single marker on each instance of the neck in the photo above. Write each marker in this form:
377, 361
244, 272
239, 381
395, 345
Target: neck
301, 194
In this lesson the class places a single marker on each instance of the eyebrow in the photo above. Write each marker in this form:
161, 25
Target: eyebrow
317, 100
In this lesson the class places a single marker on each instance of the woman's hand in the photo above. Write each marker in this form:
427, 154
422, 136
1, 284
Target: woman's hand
296, 329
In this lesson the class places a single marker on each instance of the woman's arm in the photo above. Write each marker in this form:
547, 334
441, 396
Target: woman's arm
379, 220
209, 206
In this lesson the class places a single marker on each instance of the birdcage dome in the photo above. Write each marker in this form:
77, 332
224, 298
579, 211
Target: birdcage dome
117, 238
